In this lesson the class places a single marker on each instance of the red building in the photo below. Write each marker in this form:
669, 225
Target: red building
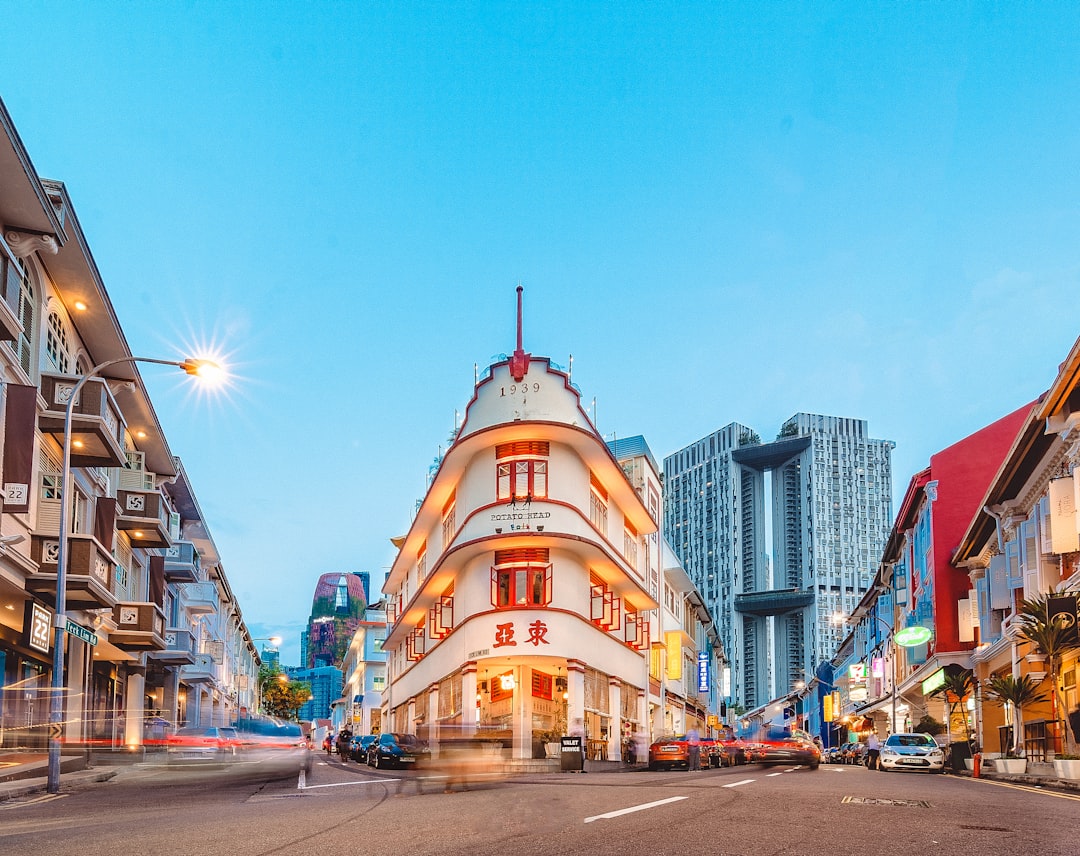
929, 591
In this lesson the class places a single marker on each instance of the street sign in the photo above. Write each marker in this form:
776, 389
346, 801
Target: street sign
81, 633
56, 729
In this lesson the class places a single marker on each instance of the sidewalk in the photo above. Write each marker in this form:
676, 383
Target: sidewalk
26, 773
1038, 775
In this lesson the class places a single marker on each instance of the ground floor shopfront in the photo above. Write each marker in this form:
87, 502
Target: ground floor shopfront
525, 703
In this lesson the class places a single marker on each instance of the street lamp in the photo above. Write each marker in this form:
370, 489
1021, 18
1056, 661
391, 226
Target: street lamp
200, 368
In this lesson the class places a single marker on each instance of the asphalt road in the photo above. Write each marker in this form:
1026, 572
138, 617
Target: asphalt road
352, 809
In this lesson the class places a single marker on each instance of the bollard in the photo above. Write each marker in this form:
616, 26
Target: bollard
976, 765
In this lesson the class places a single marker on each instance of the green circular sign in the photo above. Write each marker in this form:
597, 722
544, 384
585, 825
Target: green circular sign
911, 636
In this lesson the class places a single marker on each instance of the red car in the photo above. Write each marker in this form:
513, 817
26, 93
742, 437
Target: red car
669, 752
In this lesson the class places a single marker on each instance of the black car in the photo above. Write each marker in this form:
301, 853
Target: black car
359, 745
392, 749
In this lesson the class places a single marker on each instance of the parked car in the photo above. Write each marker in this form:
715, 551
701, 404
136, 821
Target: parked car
359, 745
202, 744
911, 752
783, 745
669, 752
397, 750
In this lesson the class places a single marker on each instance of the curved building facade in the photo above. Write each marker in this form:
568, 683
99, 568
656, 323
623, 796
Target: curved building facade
519, 597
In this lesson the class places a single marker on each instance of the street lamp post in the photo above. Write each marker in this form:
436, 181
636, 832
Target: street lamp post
56, 709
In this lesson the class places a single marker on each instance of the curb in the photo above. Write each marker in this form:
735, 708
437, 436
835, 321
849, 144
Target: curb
69, 782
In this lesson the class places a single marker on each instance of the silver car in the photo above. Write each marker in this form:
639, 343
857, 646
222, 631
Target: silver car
911, 752
202, 744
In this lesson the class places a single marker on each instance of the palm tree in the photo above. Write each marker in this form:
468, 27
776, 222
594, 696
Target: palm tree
957, 687
1018, 693
1049, 639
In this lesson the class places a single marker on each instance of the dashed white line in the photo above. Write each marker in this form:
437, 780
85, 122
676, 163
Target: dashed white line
736, 784
641, 807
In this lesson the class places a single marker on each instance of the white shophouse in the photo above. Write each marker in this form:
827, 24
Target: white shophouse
519, 595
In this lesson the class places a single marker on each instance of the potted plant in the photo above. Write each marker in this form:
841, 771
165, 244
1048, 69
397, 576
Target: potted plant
1016, 693
1067, 766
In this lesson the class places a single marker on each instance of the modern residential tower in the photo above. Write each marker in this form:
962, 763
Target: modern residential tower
779, 537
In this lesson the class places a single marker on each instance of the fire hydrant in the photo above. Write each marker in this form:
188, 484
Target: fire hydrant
976, 765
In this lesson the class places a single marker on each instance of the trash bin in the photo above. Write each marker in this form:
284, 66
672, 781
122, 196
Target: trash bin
572, 755
958, 751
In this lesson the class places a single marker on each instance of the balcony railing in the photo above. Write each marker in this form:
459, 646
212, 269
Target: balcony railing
179, 648
199, 598
97, 428
182, 563
89, 572
144, 515
139, 627
202, 671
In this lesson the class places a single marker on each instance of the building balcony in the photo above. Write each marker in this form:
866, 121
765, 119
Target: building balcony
179, 648
202, 671
139, 627
97, 428
89, 572
144, 516
182, 563
199, 598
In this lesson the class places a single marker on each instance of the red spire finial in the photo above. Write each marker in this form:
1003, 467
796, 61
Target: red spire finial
519, 362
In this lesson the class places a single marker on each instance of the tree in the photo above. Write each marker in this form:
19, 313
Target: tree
280, 696
957, 687
1050, 639
1017, 693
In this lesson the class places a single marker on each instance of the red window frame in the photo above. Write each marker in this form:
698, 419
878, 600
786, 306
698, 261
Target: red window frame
415, 644
605, 607
441, 617
520, 586
636, 630
522, 479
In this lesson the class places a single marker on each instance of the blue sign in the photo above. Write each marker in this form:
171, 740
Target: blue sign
703, 671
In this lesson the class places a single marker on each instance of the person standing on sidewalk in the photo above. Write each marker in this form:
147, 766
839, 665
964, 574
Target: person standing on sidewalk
873, 749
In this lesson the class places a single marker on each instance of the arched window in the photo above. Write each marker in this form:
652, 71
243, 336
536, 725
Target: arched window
56, 344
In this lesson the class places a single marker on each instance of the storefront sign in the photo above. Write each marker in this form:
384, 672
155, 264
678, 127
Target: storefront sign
933, 682
703, 671
38, 624
1064, 537
1063, 610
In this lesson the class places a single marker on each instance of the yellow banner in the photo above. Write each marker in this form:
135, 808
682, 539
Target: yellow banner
673, 640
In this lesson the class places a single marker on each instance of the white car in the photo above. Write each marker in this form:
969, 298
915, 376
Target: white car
911, 752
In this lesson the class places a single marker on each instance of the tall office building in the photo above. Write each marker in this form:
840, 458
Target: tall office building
779, 537
336, 611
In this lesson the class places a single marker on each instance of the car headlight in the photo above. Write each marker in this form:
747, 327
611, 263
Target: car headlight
891, 753
937, 753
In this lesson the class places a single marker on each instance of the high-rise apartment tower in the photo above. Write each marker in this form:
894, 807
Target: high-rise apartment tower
779, 538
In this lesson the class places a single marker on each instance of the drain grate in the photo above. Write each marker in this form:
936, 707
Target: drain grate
878, 801
985, 828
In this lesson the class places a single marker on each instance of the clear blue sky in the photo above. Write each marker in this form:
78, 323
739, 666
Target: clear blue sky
724, 211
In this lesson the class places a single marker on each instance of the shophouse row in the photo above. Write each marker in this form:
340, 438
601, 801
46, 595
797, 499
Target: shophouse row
986, 533
152, 631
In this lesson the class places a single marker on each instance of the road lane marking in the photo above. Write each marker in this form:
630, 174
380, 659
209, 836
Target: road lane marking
357, 782
1030, 789
641, 807
773, 774
736, 784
